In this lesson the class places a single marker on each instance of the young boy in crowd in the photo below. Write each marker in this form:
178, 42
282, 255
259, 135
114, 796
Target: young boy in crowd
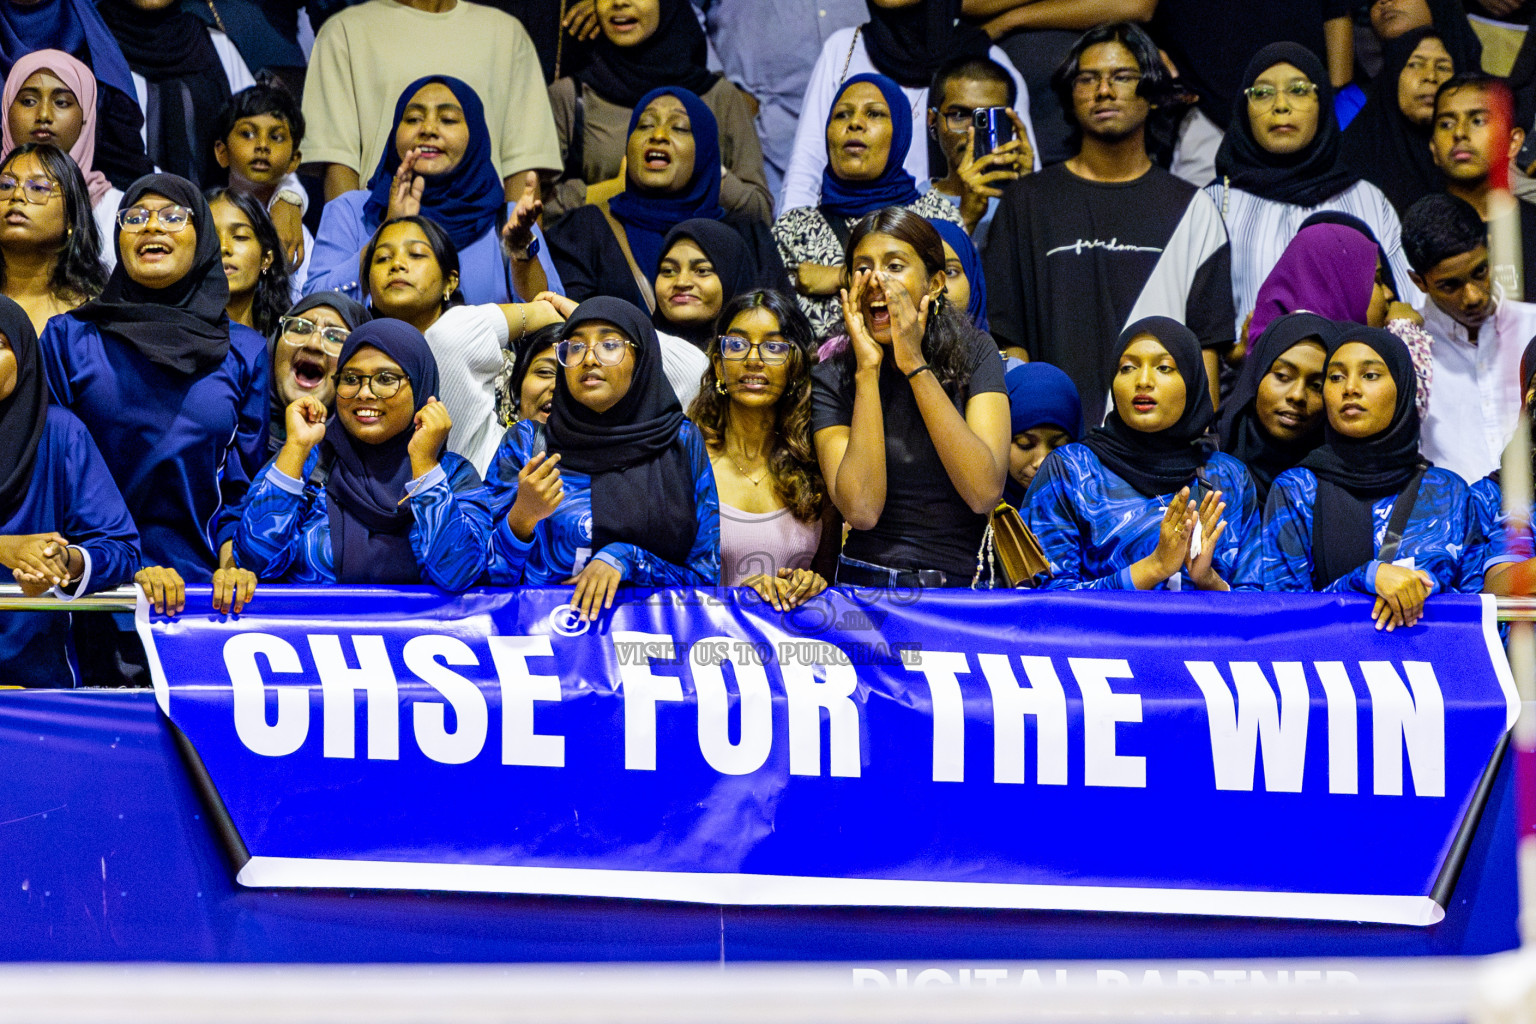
260, 131
1478, 336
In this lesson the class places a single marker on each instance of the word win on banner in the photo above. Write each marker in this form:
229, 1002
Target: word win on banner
1245, 755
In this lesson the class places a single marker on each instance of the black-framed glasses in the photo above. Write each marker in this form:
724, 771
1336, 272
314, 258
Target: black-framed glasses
331, 338
36, 191
384, 384
136, 219
1297, 91
1120, 80
609, 351
772, 351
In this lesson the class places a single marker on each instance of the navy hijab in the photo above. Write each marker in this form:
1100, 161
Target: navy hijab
370, 529
894, 187
1353, 473
73, 26
24, 415
648, 215
469, 200
970, 261
1040, 395
642, 478
1164, 462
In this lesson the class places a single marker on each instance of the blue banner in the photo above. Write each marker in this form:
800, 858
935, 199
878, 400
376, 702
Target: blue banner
1249, 755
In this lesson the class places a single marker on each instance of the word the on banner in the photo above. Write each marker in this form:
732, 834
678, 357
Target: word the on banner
1230, 754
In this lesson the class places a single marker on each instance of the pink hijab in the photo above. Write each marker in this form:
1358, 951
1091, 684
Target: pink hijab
82, 83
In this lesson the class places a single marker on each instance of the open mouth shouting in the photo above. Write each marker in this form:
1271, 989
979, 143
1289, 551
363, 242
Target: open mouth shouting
657, 159
307, 370
879, 315
154, 250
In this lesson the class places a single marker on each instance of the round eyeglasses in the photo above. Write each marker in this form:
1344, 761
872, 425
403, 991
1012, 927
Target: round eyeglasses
36, 191
136, 219
772, 351
331, 338
384, 384
609, 351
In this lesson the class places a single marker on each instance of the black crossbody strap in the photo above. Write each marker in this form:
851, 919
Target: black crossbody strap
1399, 521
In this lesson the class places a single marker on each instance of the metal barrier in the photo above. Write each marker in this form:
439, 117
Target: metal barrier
123, 599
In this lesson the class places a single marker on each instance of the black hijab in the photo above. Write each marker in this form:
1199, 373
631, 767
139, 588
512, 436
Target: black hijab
24, 413
370, 529
186, 84
1303, 178
733, 263
642, 479
1161, 463
911, 43
1382, 145
1242, 435
675, 55
353, 313
1354, 473
181, 327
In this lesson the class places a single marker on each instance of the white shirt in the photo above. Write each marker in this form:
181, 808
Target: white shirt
802, 179
683, 365
467, 342
1475, 402
105, 215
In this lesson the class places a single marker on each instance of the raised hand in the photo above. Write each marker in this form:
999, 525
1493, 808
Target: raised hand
539, 493
517, 233
564, 306
1211, 524
867, 353
432, 425
305, 422
1172, 545
908, 323
406, 188
581, 20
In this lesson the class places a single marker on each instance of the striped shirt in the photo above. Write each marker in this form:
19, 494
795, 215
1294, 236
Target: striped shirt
1260, 230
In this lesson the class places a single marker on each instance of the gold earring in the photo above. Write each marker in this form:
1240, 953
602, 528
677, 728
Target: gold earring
720, 386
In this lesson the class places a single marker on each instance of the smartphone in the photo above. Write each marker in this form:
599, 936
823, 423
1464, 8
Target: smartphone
994, 128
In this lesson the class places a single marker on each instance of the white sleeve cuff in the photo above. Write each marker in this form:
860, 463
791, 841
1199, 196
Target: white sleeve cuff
431, 478
283, 482
83, 583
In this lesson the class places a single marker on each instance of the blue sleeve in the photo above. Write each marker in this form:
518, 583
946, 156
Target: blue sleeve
1472, 565
1287, 548
1348, 102
269, 536
1050, 509
547, 261
96, 518
452, 525
338, 246
508, 555
248, 451
1242, 560
645, 569
54, 348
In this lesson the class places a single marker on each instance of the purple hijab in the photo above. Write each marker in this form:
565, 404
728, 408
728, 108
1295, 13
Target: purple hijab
1328, 269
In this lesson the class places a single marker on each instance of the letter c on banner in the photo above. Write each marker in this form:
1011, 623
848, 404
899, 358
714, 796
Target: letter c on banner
288, 733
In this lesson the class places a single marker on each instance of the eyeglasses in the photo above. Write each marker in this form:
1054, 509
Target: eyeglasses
1120, 80
135, 220
609, 351
957, 119
36, 191
772, 352
384, 384
1297, 91
331, 338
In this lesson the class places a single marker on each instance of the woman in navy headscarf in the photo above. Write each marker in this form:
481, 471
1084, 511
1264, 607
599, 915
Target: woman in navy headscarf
672, 174
1046, 413
868, 135
967, 285
396, 508
440, 167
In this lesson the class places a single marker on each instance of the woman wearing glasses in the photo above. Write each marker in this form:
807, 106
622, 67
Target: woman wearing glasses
50, 250
1280, 162
304, 355
395, 508
616, 487
174, 394
413, 274
778, 532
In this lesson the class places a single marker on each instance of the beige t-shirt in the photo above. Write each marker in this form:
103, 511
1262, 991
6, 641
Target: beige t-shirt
366, 55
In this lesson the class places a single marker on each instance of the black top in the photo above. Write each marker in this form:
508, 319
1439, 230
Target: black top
1069, 261
1211, 44
925, 523
590, 262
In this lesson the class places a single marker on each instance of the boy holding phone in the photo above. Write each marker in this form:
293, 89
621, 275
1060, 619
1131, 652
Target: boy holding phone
979, 163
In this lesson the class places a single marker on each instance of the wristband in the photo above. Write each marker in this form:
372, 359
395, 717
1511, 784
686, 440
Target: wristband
919, 370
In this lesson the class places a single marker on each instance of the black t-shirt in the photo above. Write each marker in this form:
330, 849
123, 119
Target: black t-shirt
925, 523
1070, 262
1212, 41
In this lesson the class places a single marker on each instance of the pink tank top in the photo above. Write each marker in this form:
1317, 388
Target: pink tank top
763, 542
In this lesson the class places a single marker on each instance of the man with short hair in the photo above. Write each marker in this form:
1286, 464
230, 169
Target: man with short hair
1478, 337
974, 184
1079, 250
1462, 145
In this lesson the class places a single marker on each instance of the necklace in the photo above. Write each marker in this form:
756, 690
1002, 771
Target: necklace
743, 470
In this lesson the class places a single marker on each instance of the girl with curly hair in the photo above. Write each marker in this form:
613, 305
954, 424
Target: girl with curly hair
778, 532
